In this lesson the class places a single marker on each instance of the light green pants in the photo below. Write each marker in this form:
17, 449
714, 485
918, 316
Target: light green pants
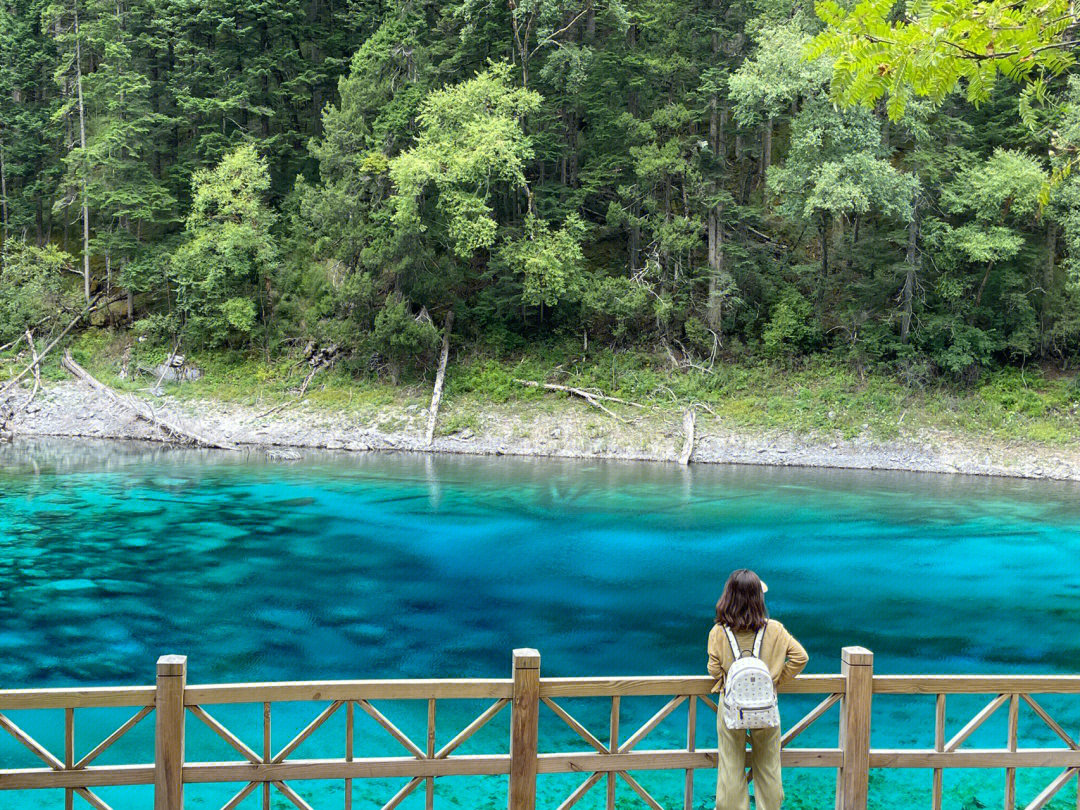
731, 789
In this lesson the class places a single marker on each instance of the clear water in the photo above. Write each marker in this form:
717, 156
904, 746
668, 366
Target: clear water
411, 566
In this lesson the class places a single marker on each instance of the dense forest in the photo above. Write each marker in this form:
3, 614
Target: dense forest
257, 176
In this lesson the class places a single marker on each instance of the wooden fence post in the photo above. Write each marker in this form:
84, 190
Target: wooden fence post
524, 735
169, 733
857, 667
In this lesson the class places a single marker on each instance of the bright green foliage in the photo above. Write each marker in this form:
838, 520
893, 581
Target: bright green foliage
470, 141
766, 84
1065, 146
791, 328
225, 266
837, 168
550, 262
1006, 185
936, 45
33, 291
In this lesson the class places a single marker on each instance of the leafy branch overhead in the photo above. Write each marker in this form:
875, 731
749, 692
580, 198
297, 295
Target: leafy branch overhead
930, 47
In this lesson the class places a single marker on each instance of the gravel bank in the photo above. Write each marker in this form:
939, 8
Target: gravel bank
574, 430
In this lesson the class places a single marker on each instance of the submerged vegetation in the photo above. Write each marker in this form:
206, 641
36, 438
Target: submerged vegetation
660, 199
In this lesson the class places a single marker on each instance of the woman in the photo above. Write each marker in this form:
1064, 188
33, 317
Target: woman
742, 608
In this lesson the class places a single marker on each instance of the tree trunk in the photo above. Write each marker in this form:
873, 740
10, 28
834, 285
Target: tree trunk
908, 292
823, 235
766, 149
1049, 282
689, 417
634, 245
714, 307
982, 284
82, 143
440, 377
3, 196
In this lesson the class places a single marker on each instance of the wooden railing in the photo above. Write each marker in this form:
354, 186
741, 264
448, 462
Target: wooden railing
613, 762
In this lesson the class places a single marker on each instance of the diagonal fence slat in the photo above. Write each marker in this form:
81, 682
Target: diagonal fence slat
403, 794
92, 798
1051, 722
975, 722
311, 728
580, 791
809, 719
582, 732
640, 791
37, 748
651, 723
395, 732
292, 796
472, 728
105, 744
243, 793
1052, 789
225, 734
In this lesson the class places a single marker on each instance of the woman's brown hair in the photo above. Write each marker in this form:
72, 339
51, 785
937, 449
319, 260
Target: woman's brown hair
742, 604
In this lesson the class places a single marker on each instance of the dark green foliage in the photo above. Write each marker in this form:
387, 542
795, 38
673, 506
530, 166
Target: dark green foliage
33, 291
632, 172
225, 265
402, 338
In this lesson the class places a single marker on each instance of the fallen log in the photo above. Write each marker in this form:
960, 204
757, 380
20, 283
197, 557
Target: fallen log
440, 377
589, 396
18, 377
689, 419
142, 410
319, 359
13, 343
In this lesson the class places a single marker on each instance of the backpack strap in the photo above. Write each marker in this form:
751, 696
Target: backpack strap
735, 651
757, 641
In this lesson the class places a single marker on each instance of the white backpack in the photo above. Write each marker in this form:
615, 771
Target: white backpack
749, 692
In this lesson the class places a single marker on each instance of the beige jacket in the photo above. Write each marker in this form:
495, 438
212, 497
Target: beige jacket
784, 656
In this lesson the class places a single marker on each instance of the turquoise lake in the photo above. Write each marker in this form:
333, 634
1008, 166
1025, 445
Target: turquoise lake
416, 567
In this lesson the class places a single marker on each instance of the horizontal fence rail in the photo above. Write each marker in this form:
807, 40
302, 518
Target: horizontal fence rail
606, 760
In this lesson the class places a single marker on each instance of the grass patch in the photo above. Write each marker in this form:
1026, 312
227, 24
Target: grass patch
821, 396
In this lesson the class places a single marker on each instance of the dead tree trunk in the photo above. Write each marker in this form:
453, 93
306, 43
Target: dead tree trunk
908, 293
142, 410
440, 377
689, 419
15, 380
3, 197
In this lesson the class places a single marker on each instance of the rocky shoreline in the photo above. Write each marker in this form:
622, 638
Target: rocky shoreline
67, 409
